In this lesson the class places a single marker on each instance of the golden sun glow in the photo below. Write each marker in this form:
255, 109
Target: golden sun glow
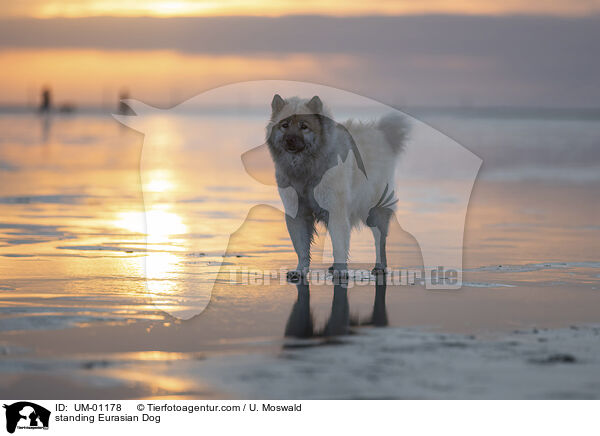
159, 181
122, 8
132, 8
172, 8
159, 223
162, 268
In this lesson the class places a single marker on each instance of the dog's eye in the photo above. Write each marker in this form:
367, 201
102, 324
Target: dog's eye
304, 126
285, 125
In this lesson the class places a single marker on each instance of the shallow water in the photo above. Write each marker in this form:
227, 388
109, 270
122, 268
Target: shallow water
73, 248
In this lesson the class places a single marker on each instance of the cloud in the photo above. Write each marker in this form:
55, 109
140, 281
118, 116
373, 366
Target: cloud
427, 34
537, 60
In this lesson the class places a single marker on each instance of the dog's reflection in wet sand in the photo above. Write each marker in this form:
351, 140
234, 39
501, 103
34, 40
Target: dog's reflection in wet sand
300, 323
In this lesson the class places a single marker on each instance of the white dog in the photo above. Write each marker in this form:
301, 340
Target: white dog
339, 174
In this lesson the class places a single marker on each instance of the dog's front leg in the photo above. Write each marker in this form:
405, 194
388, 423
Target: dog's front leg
339, 230
300, 229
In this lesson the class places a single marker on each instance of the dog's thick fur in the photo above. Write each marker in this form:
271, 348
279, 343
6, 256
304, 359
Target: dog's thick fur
342, 174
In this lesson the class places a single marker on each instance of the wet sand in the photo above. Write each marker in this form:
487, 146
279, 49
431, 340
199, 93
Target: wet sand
78, 321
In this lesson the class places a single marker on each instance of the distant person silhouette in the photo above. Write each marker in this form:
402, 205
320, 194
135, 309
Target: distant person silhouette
46, 104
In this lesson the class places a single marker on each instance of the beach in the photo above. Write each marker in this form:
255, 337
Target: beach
80, 317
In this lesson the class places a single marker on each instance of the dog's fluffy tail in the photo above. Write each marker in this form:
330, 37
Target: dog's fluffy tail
395, 129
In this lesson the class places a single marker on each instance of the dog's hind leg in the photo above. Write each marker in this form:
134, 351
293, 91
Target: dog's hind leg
379, 221
380, 254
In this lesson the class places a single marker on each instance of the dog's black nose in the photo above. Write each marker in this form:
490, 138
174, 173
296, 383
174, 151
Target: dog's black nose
294, 144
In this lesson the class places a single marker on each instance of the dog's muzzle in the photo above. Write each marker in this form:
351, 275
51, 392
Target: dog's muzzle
294, 144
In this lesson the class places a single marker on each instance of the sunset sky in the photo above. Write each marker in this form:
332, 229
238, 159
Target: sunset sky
436, 52
132, 8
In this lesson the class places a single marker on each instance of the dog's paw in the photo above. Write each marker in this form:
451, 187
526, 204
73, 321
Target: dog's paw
295, 276
338, 267
379, 270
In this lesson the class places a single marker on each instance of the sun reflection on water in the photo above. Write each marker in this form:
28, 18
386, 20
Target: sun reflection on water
159, 181
160, 224
162, 262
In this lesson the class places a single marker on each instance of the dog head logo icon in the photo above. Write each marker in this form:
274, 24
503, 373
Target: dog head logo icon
26, 415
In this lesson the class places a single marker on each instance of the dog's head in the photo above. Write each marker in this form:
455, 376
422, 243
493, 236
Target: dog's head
296, 126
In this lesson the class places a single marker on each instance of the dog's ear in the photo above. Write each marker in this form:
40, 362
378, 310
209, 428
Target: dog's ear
315, 105
277, 104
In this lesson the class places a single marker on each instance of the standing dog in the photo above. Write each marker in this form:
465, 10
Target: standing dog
339, 174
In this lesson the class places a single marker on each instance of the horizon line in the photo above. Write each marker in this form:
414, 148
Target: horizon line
508, 14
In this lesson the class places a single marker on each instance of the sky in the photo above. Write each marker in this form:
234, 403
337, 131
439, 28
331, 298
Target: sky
132, 8
434, 53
